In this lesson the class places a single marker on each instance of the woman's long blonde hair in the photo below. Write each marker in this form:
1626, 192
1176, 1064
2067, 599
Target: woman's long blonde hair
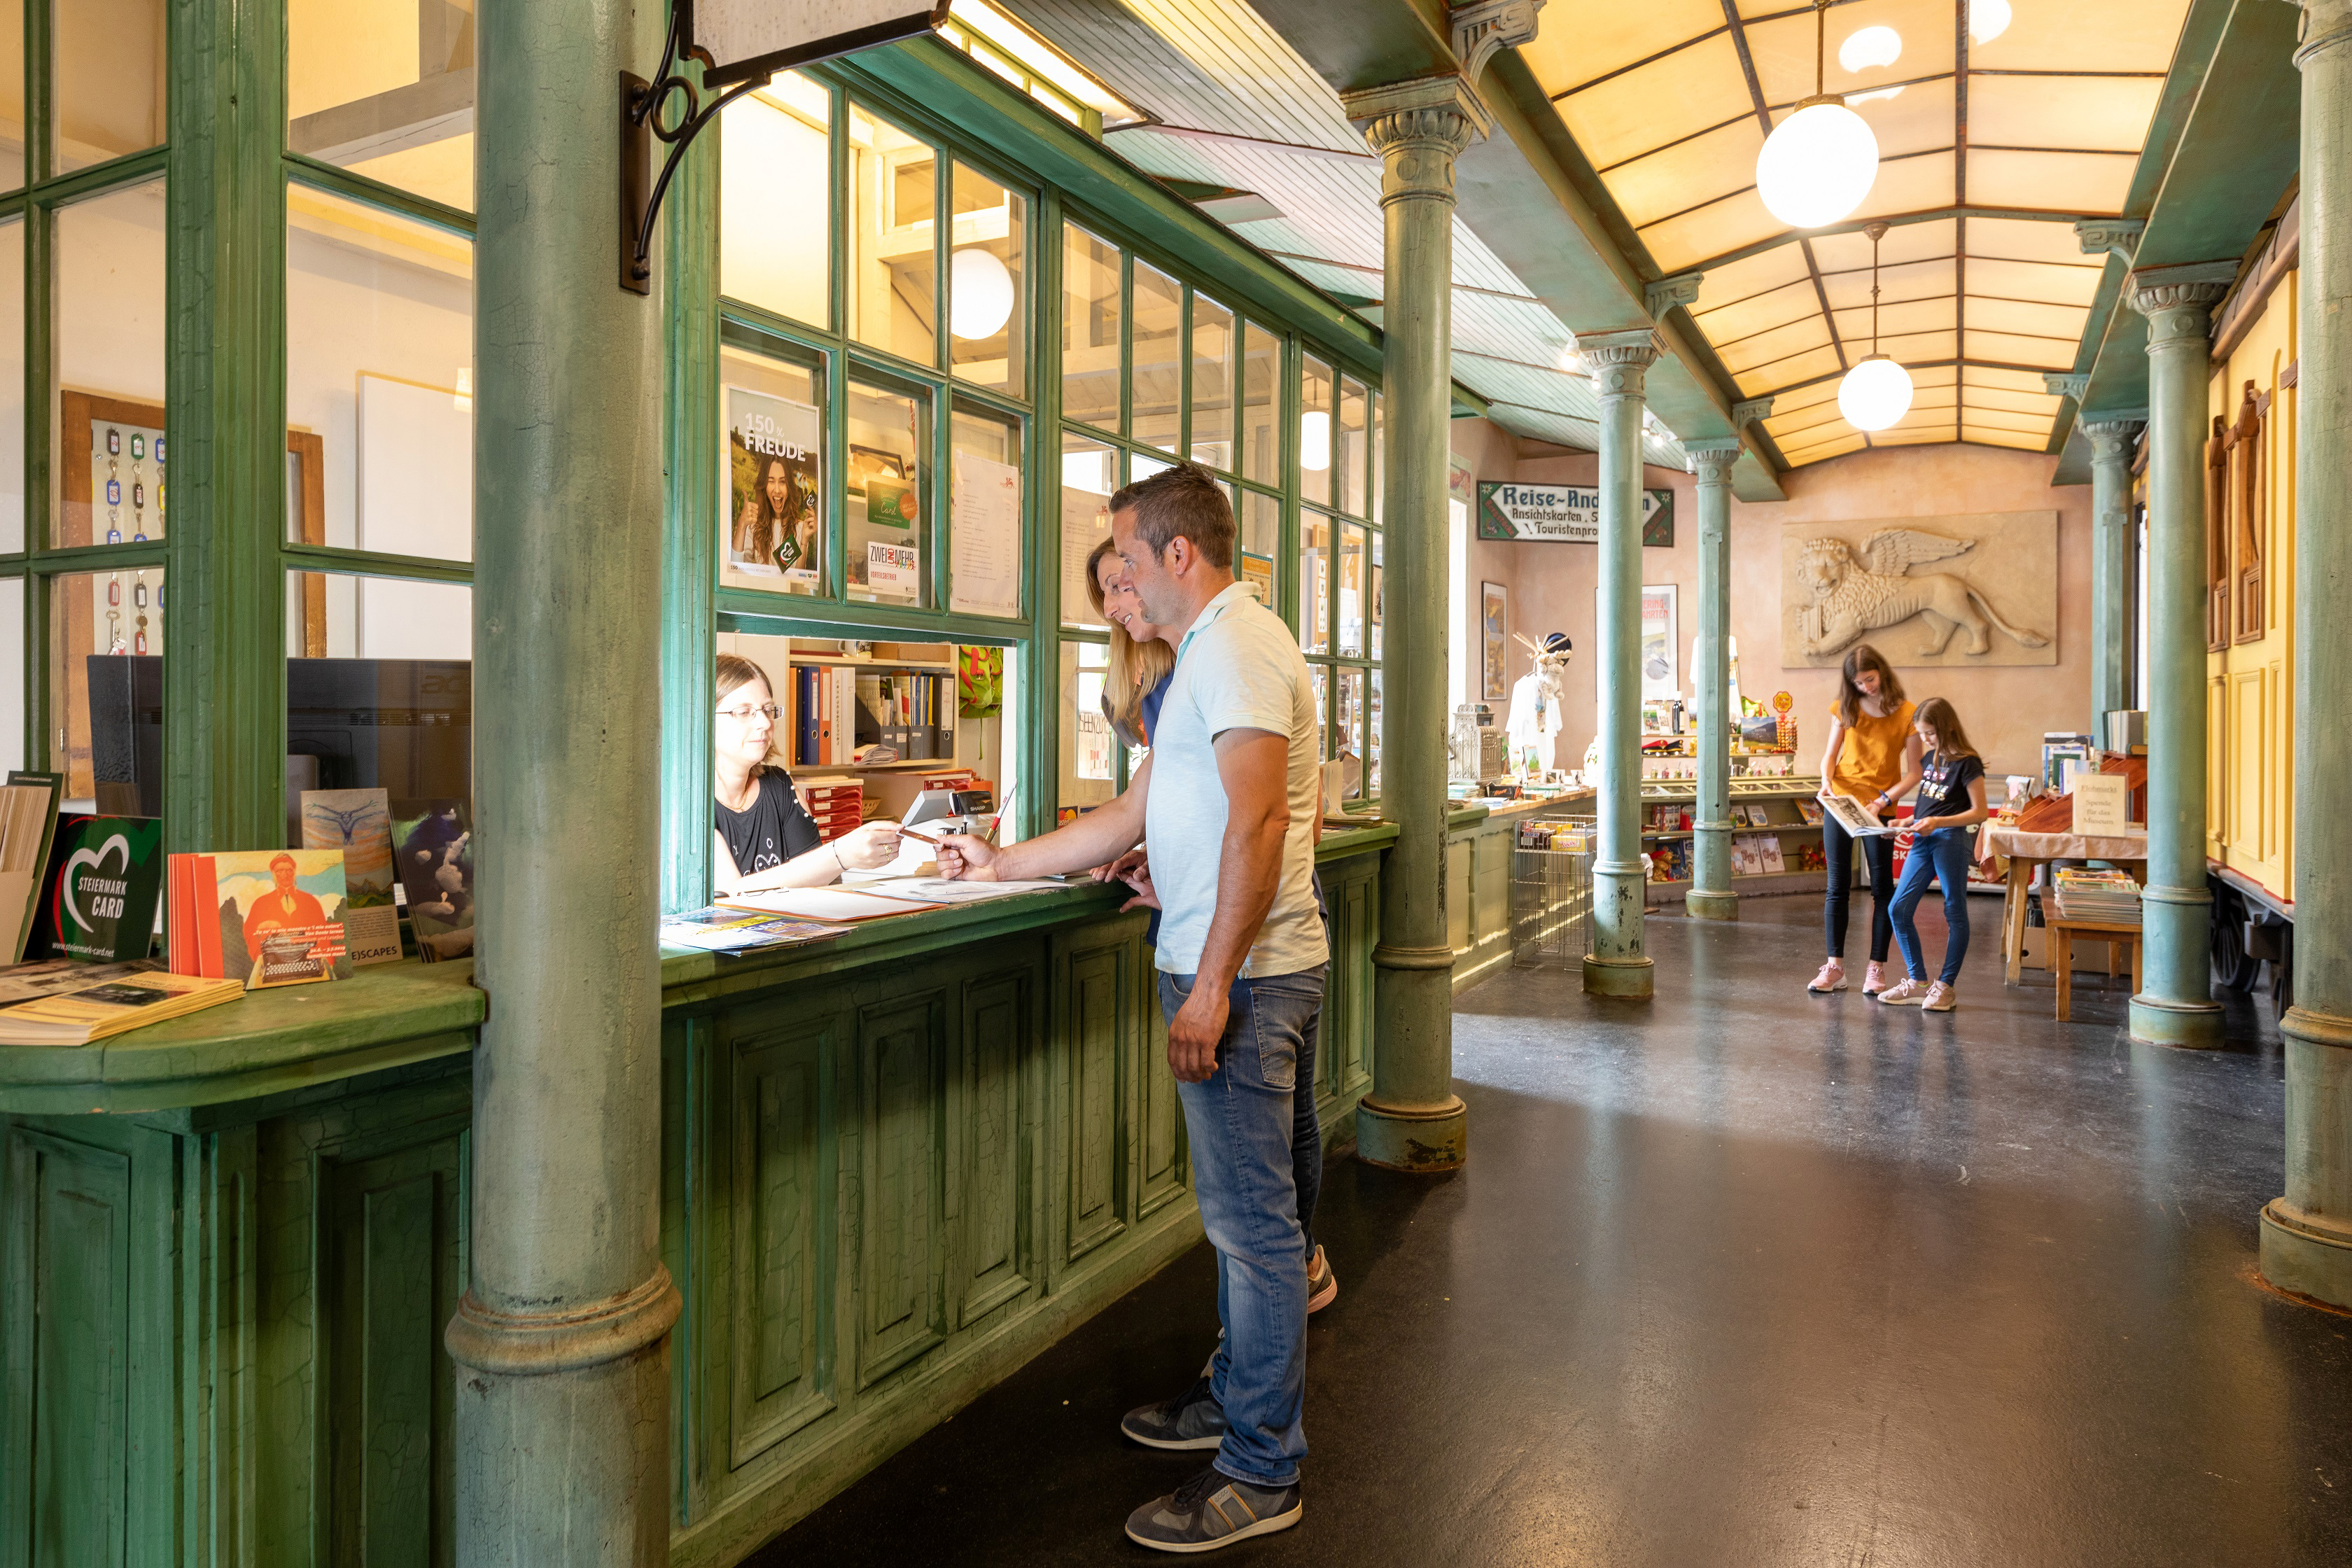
736, 672
1135, 666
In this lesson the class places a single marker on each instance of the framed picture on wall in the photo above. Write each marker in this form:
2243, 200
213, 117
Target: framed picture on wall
1493, 640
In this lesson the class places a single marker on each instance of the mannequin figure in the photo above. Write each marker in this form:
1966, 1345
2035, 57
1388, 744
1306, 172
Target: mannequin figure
1536, 718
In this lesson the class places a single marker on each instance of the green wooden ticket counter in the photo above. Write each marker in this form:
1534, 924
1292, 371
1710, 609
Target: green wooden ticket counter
894, 1168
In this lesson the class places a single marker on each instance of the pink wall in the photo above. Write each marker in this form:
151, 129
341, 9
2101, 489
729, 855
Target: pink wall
2006, 709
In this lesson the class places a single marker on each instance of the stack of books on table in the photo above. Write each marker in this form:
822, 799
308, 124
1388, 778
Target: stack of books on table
2079, 893
838, 807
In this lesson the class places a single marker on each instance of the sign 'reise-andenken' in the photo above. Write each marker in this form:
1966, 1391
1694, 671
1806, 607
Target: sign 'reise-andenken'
1562, 514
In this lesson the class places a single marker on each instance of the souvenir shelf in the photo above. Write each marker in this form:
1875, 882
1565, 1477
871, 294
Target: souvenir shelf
1780, 801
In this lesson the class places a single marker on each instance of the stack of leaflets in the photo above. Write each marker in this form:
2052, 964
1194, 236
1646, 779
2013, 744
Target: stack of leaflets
2109, 897
60, 1003
716, 929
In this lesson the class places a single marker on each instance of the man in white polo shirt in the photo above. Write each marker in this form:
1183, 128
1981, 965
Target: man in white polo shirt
1228, 801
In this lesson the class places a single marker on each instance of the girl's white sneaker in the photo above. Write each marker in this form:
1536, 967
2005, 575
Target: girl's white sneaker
1903, 994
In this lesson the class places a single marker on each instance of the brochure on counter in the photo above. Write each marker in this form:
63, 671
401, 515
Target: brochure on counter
718, 929
75, 1004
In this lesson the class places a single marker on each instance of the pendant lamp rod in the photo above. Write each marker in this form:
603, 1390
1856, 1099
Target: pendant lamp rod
1877, 232
1821, 44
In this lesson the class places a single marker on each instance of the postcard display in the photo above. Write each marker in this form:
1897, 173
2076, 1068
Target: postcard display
127, 499
1775, 827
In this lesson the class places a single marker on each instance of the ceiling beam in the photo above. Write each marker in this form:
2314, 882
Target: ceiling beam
1516, 193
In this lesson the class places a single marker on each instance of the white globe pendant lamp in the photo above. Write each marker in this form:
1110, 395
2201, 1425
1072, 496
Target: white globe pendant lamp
1876, 392
980, 293
1819, 164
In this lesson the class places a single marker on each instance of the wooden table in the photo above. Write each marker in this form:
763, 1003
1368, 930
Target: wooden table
2027, 852
2064, 931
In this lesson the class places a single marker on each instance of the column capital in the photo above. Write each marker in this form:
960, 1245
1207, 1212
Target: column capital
2066, 383
2325, 24
2177, 300
1666, 293
1621, 361
1712, 461
1398, 118
1477, 28
2109, 237
1755, 411
2114, 435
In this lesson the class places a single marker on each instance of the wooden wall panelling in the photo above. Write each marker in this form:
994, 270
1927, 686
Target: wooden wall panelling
694, 1180
2217, 538
2247, 492
392, 1225
68, 1322
2249, 742
357, 1256
782, 1220
902, 1178
216, 1257
2216, 757
1163, 1170
1095, 1004
1348, 1006
990, 1205
2274, 807
91, 1460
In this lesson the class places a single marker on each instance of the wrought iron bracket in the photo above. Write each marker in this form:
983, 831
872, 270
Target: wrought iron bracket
642, 125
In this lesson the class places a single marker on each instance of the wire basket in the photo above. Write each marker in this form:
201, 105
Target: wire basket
1551, 893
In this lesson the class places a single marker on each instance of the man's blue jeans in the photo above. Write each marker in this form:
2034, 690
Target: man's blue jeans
1944, 855
1239, 1122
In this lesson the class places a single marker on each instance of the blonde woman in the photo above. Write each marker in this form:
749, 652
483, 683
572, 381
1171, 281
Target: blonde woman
764, 836
1140, 661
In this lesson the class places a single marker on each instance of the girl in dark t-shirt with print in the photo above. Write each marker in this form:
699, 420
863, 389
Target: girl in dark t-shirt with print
1951, 802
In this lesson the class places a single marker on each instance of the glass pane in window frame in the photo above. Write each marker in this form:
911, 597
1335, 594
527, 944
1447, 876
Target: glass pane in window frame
987, 282
1315, 563
1089, 474
1258, 554
1155, 358
893, 238
1093, 306
776, 199
1348, 588
1351, 470
357, 68
884, 472
1261, 426
985, 532
775, 521
1216, 354
109, 339
105, 663
1315, 436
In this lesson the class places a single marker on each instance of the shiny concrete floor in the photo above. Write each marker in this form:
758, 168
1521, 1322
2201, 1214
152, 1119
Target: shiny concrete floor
1742, 1277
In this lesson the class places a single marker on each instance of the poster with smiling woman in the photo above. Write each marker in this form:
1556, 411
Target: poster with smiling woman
773, 533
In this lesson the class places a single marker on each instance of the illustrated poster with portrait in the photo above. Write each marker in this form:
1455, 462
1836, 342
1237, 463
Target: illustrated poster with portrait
773, 530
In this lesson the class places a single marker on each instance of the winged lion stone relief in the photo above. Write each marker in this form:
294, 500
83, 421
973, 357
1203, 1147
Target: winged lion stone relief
1853, 593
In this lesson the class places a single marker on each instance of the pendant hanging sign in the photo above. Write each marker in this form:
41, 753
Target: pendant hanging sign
749, 40
1562, 514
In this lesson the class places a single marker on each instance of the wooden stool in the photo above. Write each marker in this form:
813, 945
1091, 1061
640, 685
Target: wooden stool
2061, 933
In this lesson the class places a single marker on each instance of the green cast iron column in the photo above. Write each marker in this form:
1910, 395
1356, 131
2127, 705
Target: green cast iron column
2176, 1007
2306, 1234
225, 640
1617, 966
1412, 1120
2113, 438
561, 1337
1710, 897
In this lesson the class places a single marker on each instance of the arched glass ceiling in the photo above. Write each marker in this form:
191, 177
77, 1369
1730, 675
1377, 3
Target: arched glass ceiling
1988, 152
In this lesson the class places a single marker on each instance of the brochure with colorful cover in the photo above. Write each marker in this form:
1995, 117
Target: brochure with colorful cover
98, 894
433, 845
260, 916
358, 822
110, 1008
716, 929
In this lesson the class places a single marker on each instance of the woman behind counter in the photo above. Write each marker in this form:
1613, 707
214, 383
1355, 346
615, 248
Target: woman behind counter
766, 838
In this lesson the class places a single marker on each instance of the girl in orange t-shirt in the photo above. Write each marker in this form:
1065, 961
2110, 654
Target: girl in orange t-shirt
1874, 757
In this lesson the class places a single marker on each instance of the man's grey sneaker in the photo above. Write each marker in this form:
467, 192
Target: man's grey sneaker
1191, 1420
1322, 1284
1214, 1509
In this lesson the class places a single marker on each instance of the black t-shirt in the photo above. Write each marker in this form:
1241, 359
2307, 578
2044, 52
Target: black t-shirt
1944, 783
774, 830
